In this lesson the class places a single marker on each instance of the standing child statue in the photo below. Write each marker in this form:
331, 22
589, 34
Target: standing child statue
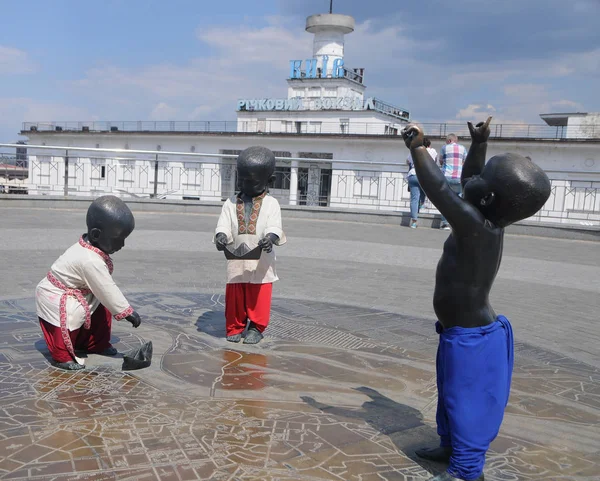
475, 353
250, 221
78, 296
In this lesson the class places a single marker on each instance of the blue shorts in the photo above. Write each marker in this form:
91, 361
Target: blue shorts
474, 370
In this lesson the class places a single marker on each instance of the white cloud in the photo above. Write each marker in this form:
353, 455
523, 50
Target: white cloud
199, 113
521, 104
522, 97
14, 61
475, 111
248, 61
274, 44
15, 111
163, 111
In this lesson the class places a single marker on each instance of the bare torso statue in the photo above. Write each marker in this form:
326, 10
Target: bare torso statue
475, 354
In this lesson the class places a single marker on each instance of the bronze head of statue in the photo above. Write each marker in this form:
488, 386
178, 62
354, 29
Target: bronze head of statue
510, 188
109, 222
255, 169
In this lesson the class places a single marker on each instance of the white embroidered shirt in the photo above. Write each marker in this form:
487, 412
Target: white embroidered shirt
83, 273
265, 218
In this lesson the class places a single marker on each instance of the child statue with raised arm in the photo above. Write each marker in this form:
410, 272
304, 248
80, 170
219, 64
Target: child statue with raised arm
475, 352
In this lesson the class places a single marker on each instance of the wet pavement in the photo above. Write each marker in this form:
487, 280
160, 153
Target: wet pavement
311, 402
335, 391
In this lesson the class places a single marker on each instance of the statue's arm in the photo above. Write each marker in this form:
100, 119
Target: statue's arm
223, 232
475, 161
460, 214
274, 227
430, 177
94, 272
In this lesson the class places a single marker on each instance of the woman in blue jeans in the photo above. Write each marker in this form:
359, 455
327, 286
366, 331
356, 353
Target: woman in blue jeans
417, 195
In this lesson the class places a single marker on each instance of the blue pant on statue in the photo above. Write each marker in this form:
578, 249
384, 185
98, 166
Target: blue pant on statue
474, 370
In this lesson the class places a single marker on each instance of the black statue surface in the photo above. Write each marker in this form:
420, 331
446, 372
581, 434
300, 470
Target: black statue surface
109, 222
506, 189
475, 353
255, 171
78, 298
248, 228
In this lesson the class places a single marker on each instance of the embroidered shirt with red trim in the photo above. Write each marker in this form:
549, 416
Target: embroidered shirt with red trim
109, 263
104, 255
250, 226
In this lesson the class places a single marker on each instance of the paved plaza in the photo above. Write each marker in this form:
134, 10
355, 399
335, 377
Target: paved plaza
341, 388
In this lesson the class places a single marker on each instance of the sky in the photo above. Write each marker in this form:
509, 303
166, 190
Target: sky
442, 60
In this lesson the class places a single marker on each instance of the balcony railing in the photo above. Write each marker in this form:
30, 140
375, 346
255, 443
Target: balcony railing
344, 127
326, 183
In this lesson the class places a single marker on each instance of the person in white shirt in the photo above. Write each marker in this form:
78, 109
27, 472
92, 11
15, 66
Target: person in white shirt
417, 194
250, 220
78, 297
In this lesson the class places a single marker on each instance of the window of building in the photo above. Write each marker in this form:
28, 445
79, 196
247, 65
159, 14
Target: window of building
344, 126
301, 127
389, 130
316, 155
228, 173
314, 92
298, 92
330, 92
314, 182
98, 169
282, 178
314, 127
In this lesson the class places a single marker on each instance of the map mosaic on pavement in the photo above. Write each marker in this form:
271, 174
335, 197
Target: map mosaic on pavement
325, 396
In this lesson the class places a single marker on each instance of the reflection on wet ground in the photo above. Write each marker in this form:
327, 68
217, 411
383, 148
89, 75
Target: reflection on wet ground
332, 393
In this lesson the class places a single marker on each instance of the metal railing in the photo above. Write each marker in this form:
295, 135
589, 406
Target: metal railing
348, 184
350, 127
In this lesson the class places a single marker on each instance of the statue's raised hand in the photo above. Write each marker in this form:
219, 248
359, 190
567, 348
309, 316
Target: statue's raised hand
481, 131
413, 136
221, 241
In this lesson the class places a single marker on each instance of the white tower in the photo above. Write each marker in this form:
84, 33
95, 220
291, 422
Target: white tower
328, 45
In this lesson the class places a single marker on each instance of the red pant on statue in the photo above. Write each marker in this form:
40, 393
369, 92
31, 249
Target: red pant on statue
94, 340
247, 301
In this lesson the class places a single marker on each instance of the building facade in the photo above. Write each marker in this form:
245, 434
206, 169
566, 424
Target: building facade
577, 125
336, 146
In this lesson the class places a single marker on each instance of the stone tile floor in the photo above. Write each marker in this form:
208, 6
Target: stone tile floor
341, 388
313, 401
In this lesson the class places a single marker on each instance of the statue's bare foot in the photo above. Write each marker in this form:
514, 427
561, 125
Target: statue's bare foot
69, 366
440, 454
235, 337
